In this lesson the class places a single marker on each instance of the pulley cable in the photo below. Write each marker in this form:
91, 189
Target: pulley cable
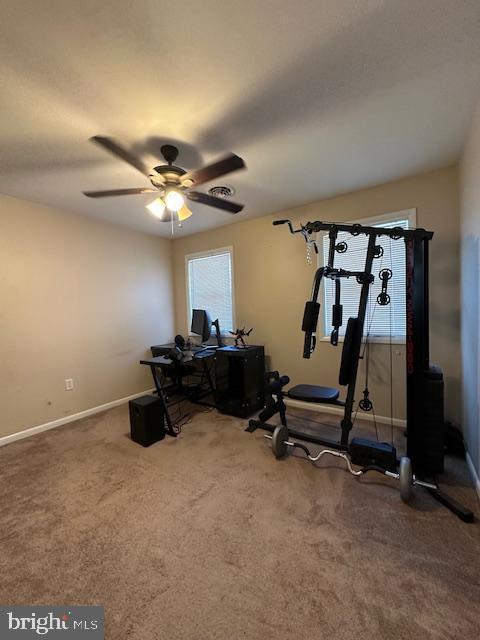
391, 360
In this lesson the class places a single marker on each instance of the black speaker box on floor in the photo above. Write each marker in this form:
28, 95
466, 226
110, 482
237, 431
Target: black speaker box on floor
147, 420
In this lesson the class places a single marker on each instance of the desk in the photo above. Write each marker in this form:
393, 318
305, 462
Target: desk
168, 377
164, 349
233, 376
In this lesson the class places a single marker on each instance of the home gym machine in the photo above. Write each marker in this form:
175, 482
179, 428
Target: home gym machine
425, 420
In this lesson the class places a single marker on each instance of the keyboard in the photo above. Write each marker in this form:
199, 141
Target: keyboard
204, 353
204, 347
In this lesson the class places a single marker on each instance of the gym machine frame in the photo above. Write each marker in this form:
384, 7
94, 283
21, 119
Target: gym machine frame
417, 349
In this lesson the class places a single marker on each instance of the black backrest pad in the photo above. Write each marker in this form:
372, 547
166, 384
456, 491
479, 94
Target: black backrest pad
310, 316
351, 345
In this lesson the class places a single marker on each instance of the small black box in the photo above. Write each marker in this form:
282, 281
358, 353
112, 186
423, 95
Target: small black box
147, 420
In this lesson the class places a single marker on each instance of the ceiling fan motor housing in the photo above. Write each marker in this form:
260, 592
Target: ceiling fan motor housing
169, 152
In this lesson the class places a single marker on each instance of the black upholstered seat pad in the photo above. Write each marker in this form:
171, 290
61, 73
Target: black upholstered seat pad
313, 393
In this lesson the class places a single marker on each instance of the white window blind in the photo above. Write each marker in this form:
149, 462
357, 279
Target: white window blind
210, 286
379, 320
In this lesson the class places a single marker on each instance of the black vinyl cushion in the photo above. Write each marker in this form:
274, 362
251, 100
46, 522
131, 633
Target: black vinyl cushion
313, 393
351, 349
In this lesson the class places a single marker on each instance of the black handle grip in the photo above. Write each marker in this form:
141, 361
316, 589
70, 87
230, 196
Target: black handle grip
309, 345
277, 222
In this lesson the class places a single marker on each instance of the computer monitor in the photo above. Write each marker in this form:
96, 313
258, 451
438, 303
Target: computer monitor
201, 323
202, 326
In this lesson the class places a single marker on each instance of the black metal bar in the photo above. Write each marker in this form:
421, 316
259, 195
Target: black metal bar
347, 423
332, 234
206, 372
417, 348
158, 386
337, 314
357, 229
426, 306
452, 505
316, 283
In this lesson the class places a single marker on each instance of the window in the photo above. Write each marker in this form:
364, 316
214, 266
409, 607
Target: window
380, 321
210, 286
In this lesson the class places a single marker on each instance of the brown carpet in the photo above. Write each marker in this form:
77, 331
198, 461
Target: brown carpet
209, 537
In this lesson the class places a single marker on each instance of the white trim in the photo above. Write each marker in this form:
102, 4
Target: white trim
26, 433
473, 473
338, 411
388, 216
408, 214
376, 339
206, 254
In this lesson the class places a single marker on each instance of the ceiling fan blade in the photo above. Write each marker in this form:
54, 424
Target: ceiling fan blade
211, 201
114, 148
215, 170
118, 192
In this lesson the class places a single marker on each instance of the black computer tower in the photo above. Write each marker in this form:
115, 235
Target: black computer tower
240, 375
147, 420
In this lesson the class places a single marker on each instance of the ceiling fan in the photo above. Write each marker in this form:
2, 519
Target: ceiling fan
172, 184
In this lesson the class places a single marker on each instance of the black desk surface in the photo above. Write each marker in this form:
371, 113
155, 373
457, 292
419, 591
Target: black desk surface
203, 347
162, 361
157, 361
196, 353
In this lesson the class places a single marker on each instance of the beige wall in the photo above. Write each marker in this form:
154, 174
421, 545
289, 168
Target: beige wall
470, 239
83, 299
78, 299
273, 280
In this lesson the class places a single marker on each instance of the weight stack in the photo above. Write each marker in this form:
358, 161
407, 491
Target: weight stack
147, 420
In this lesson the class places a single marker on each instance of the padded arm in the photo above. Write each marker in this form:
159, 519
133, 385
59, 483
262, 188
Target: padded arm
310, 316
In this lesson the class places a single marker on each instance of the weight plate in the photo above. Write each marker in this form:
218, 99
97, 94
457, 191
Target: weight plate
406, 479
279, 438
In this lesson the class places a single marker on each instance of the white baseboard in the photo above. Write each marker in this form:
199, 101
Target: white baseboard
474, 474
330, 408
26, 433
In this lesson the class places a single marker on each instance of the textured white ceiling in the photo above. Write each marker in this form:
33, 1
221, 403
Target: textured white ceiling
319, 97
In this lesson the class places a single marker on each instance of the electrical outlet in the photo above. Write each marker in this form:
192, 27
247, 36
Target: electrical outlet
68, 384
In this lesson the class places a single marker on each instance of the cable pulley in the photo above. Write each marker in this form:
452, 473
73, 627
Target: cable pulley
385, 274
365, 403
383, 298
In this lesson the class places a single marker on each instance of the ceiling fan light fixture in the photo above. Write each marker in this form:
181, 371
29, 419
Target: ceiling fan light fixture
184, 213
174, 200
156, 208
